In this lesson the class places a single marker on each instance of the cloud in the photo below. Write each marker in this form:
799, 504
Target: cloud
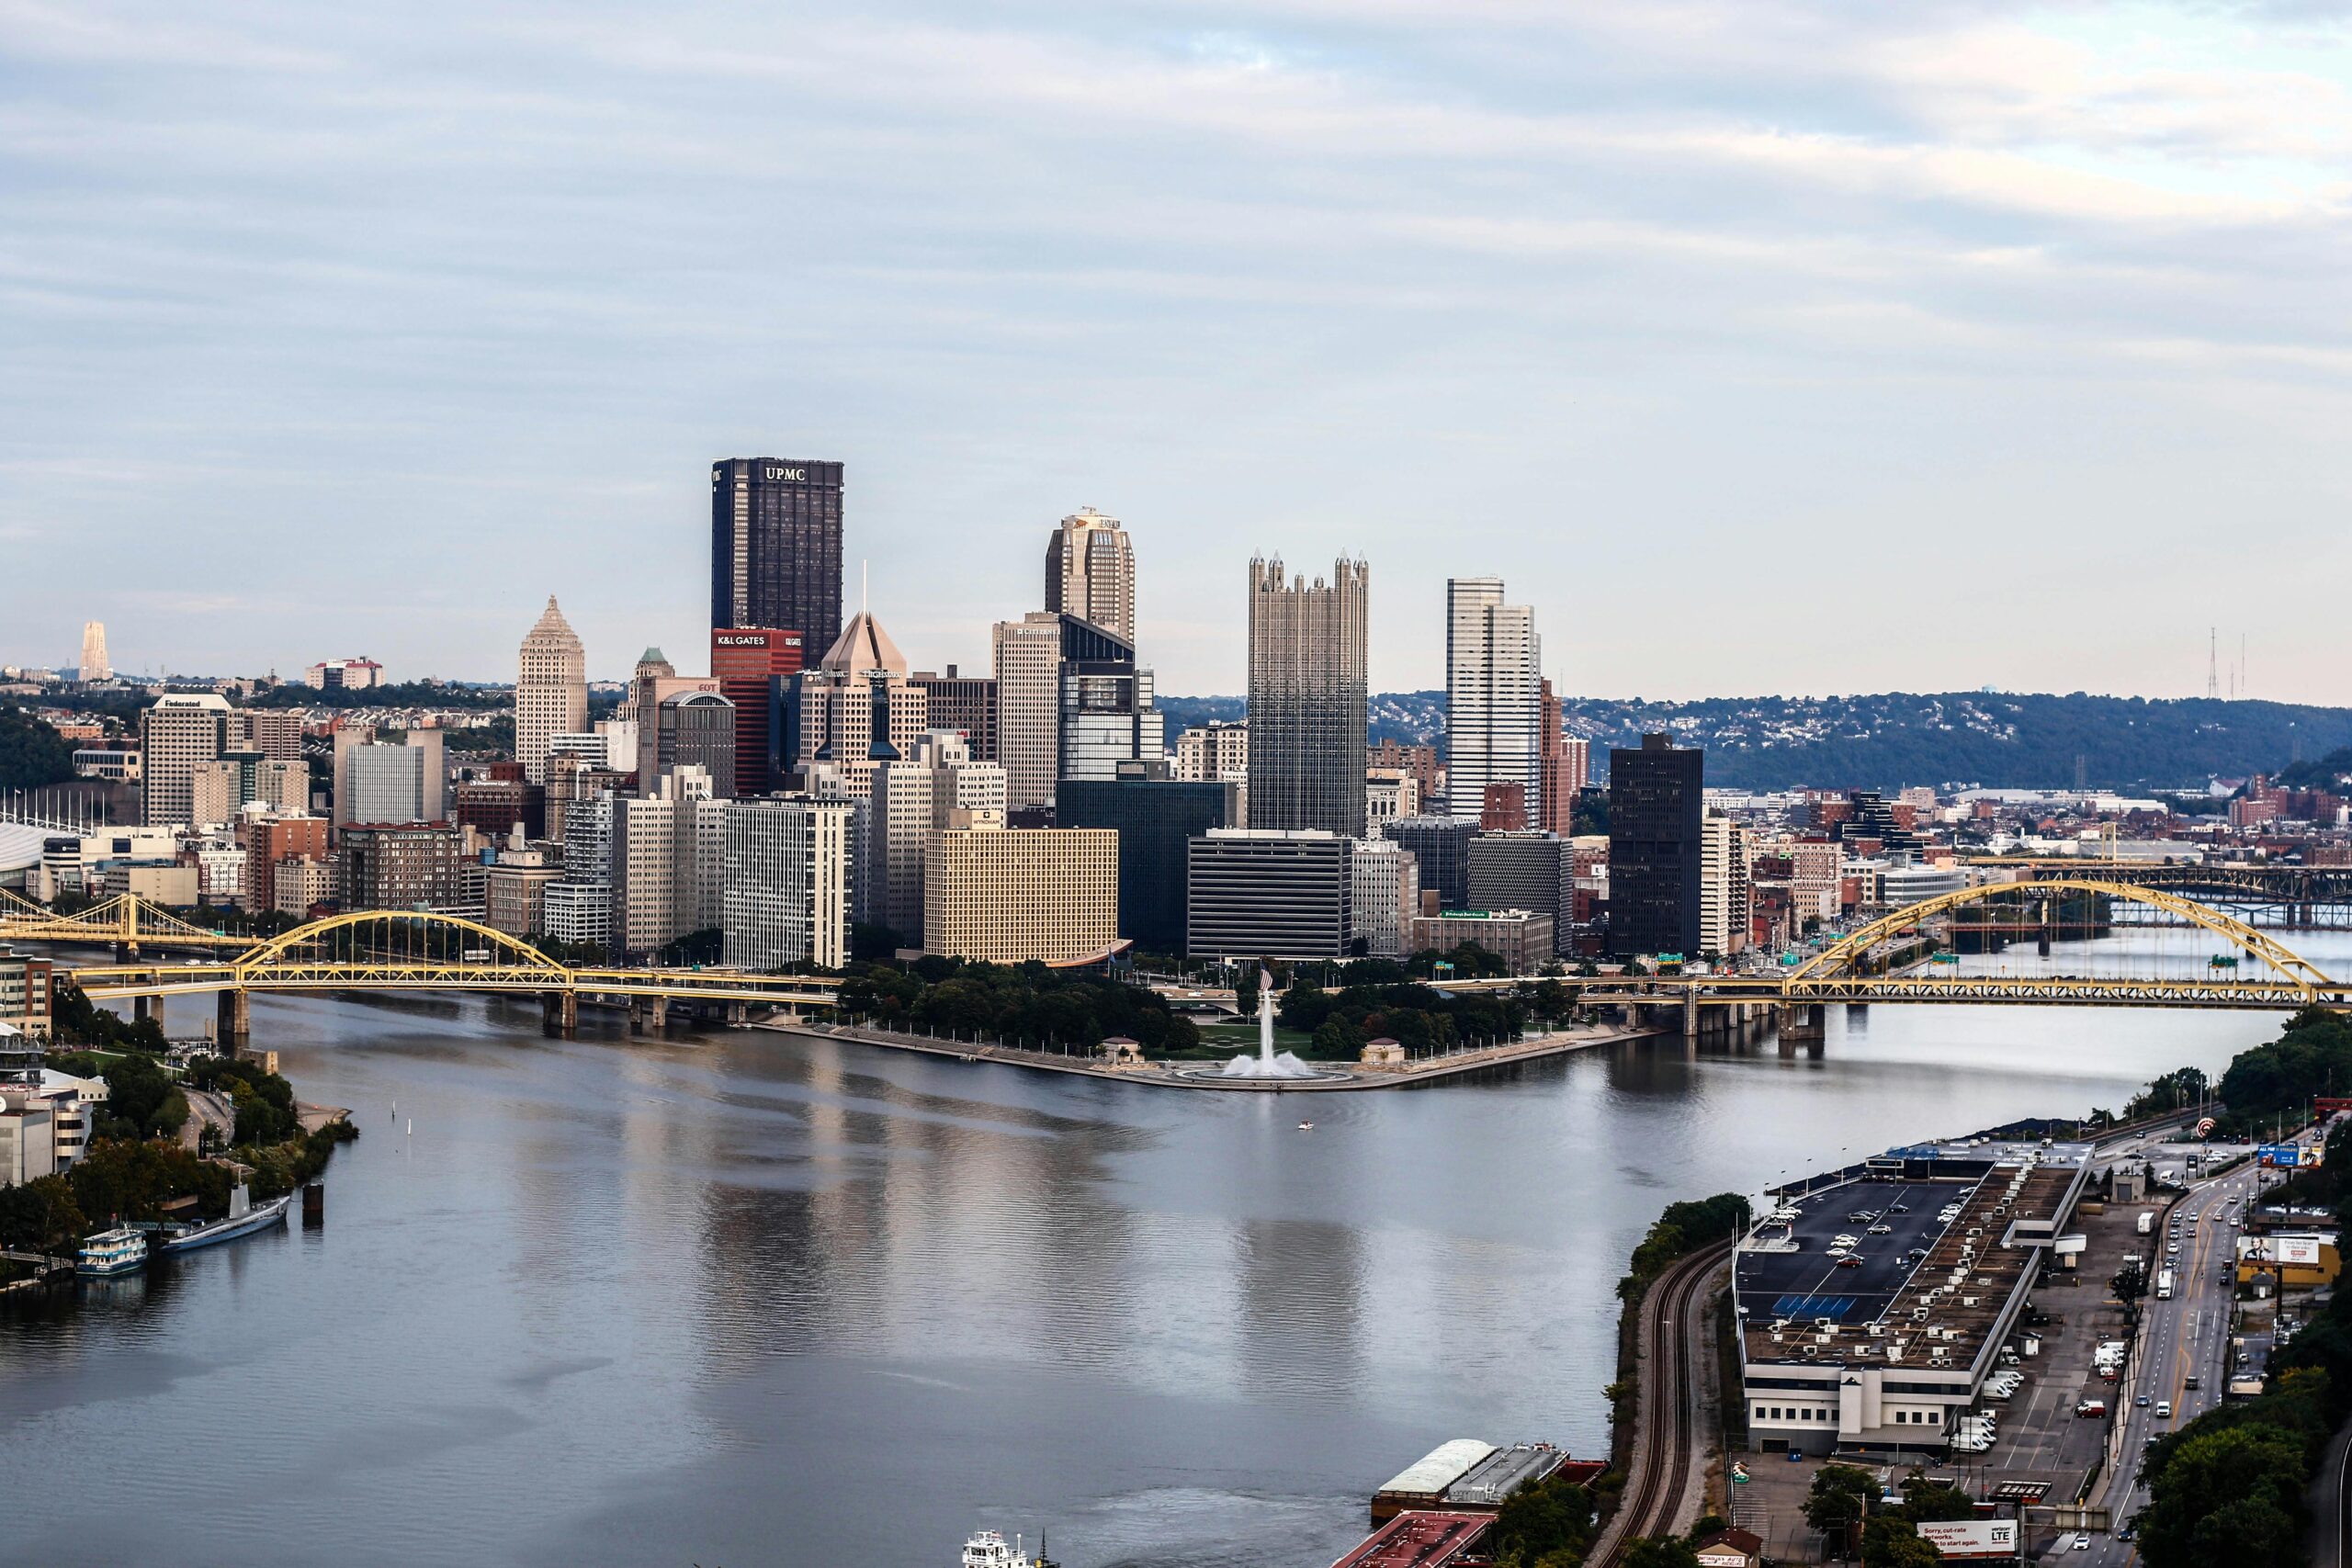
464, 295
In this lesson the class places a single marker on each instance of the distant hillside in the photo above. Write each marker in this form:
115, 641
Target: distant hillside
1996, 740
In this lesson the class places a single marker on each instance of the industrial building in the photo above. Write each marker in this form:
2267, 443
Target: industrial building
1875, 1301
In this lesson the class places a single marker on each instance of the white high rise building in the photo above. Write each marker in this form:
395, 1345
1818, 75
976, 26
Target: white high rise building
180, 732
1384, 893
1090, 573
551, 694
1726, 853
786, 897
1028, 706
94, 666
1493, 695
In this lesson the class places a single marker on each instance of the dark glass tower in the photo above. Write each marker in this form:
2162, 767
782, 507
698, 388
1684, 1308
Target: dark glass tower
1657, 796
775, 548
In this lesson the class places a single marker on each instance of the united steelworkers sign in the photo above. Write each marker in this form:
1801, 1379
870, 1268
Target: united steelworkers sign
1972, 1538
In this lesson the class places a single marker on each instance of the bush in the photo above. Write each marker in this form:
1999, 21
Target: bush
1550, 1521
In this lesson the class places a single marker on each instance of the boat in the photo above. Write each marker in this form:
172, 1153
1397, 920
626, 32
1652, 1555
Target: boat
1307, 1126
118, 1251
243, 1220
987, 1549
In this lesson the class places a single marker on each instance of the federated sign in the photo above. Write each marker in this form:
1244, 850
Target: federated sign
2279, 1155
1972, 1538
2301, 1251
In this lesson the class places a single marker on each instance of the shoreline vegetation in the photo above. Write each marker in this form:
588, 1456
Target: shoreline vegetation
140, 1164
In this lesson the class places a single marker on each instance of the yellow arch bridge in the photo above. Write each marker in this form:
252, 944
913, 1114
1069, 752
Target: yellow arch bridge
2270, 978
401, 951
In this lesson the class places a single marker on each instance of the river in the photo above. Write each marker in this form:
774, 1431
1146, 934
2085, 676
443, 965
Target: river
741, 1299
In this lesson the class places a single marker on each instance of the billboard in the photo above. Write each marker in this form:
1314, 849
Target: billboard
2279, 1155
2302, 1251
1972, 1538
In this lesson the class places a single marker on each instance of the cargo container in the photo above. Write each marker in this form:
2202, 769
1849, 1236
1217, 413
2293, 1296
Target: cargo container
2147, 1221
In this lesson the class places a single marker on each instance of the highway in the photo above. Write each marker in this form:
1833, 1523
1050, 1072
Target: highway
2185, 1336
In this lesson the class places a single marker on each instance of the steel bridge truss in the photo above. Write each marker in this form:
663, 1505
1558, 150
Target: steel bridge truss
399, 951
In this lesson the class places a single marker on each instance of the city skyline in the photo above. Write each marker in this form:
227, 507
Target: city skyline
1854, 309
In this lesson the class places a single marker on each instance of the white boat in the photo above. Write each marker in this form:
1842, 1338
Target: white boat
118, 1251
987, 1549
243, 1220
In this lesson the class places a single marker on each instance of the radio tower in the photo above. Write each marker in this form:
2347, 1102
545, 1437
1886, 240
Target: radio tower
2212, 665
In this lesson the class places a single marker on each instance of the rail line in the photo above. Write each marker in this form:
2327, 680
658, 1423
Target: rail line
1671, 1385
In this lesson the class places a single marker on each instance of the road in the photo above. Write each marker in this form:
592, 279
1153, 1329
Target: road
206, 1109
1669, 1432
2185, 1336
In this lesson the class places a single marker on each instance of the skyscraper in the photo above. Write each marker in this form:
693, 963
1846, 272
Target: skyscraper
175, 735
1560, 767
1307, 698
776, 546
551, 697
856, 711
785, 887
1090, 573
966, 703
1655, 798
751, 665
1028, 706
1493, 702
94, 653
1108, 712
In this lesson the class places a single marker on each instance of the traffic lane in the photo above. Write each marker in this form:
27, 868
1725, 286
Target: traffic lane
2176, 1328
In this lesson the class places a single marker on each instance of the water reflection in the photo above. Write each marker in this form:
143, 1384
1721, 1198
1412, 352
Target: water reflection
746, 1299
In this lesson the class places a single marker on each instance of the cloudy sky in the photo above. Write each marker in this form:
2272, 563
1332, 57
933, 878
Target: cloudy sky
1762, 347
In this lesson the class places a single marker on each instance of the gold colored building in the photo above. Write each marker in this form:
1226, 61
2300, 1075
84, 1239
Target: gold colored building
1009, 895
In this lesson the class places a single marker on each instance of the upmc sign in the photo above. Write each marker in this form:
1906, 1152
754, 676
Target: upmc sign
1972, 1538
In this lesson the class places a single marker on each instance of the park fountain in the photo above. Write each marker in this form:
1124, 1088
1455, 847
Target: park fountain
1265, 1063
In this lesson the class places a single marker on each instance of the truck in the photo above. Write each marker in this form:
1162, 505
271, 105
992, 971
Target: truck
2163, 1285
2147, 1221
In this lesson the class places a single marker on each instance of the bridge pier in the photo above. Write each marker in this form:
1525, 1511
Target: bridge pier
144, 1008
1803, 1024
1690, 1015
738, 1014
562, 1014
233, 1020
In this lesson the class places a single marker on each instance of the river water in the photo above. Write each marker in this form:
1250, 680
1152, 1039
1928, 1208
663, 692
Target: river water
743, 1299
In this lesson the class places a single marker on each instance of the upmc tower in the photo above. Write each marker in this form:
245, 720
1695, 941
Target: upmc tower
776, 546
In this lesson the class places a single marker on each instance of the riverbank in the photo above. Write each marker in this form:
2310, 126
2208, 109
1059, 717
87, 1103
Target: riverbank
1340, 1078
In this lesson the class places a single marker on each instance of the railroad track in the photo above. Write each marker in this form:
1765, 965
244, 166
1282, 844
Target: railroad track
1671, 1372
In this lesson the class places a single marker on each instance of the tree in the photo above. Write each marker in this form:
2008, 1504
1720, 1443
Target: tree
1709, 1527
1891, 1542
41, 1214
1538, 1524
1836, 1500
31, 753
1337, 1039
2223, 1495
1659, 1551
